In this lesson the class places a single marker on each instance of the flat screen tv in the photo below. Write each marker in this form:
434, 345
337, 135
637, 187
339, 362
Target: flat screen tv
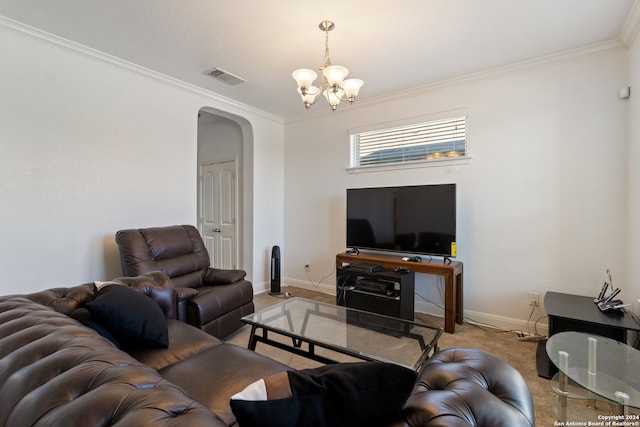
417, 219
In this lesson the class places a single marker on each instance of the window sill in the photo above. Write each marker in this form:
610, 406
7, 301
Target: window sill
412, 165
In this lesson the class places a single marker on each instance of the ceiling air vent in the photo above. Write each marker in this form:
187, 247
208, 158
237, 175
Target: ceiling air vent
225, 76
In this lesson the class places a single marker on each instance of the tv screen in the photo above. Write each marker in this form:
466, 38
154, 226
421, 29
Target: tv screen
417, 219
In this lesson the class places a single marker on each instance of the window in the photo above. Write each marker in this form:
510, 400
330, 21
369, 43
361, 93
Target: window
435, 140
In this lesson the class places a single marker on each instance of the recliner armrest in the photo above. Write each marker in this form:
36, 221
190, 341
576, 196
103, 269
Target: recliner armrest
216, 276
183, 294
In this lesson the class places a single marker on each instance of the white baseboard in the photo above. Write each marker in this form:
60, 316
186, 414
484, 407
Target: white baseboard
470, 316
490, 320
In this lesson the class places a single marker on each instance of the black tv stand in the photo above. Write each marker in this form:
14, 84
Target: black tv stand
384, 292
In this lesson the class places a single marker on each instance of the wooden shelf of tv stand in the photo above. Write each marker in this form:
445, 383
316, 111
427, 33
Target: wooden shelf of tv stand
451, 271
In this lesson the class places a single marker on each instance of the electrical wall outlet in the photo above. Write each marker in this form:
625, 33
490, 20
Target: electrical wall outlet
534, 299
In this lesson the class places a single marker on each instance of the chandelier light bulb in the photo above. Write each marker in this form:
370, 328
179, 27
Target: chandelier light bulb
335, 74
305, 78
333, 98
351, 88
310, 97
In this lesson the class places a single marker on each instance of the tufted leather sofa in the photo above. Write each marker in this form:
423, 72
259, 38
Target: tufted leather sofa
211, 299
466, 387
56, 372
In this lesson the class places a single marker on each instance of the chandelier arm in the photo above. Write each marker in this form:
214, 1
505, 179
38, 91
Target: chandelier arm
315, 99
336, 90
343, 97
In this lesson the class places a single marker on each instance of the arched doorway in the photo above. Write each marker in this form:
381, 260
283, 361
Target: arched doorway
225, 147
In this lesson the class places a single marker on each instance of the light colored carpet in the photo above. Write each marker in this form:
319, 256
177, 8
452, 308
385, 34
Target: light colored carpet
519, 354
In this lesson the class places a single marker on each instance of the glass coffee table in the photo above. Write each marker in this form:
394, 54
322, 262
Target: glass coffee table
356, 333
594, 368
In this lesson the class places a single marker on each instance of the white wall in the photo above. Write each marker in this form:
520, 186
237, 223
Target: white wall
541, 206
219, 139
633, 194
91, 145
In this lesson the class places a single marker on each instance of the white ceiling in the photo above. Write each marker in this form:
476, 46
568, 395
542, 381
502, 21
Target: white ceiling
391, 45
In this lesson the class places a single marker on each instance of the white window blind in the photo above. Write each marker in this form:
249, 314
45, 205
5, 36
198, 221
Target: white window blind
421, 142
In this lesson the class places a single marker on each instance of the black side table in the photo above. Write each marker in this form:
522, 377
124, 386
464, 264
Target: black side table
579, 313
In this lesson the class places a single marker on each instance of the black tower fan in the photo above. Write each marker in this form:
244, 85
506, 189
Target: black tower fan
275, 271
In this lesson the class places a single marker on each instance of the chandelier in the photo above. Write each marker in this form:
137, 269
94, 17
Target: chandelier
332, 80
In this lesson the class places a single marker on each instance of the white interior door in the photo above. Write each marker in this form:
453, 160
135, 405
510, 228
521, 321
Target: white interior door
218, 213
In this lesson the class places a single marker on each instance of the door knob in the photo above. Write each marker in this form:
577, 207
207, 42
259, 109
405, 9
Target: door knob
216, 230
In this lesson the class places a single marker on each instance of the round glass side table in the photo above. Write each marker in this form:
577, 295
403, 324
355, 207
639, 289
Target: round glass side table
593, 368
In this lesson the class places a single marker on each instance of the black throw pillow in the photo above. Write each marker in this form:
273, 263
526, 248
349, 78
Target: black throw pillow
84, 316
344, 394
134, 319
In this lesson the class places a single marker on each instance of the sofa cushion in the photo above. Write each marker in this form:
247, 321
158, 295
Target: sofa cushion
133, 318
184, 341
353, 394
213, 375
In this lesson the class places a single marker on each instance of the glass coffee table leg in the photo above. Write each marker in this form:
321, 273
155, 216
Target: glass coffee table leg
592, 371
563, 385
563, 392
252, 338
623, 402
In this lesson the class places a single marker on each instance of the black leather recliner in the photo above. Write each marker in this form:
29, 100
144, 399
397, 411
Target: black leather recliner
211, 299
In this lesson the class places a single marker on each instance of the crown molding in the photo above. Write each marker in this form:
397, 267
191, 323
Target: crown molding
20, 29
631, 27
595, 49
